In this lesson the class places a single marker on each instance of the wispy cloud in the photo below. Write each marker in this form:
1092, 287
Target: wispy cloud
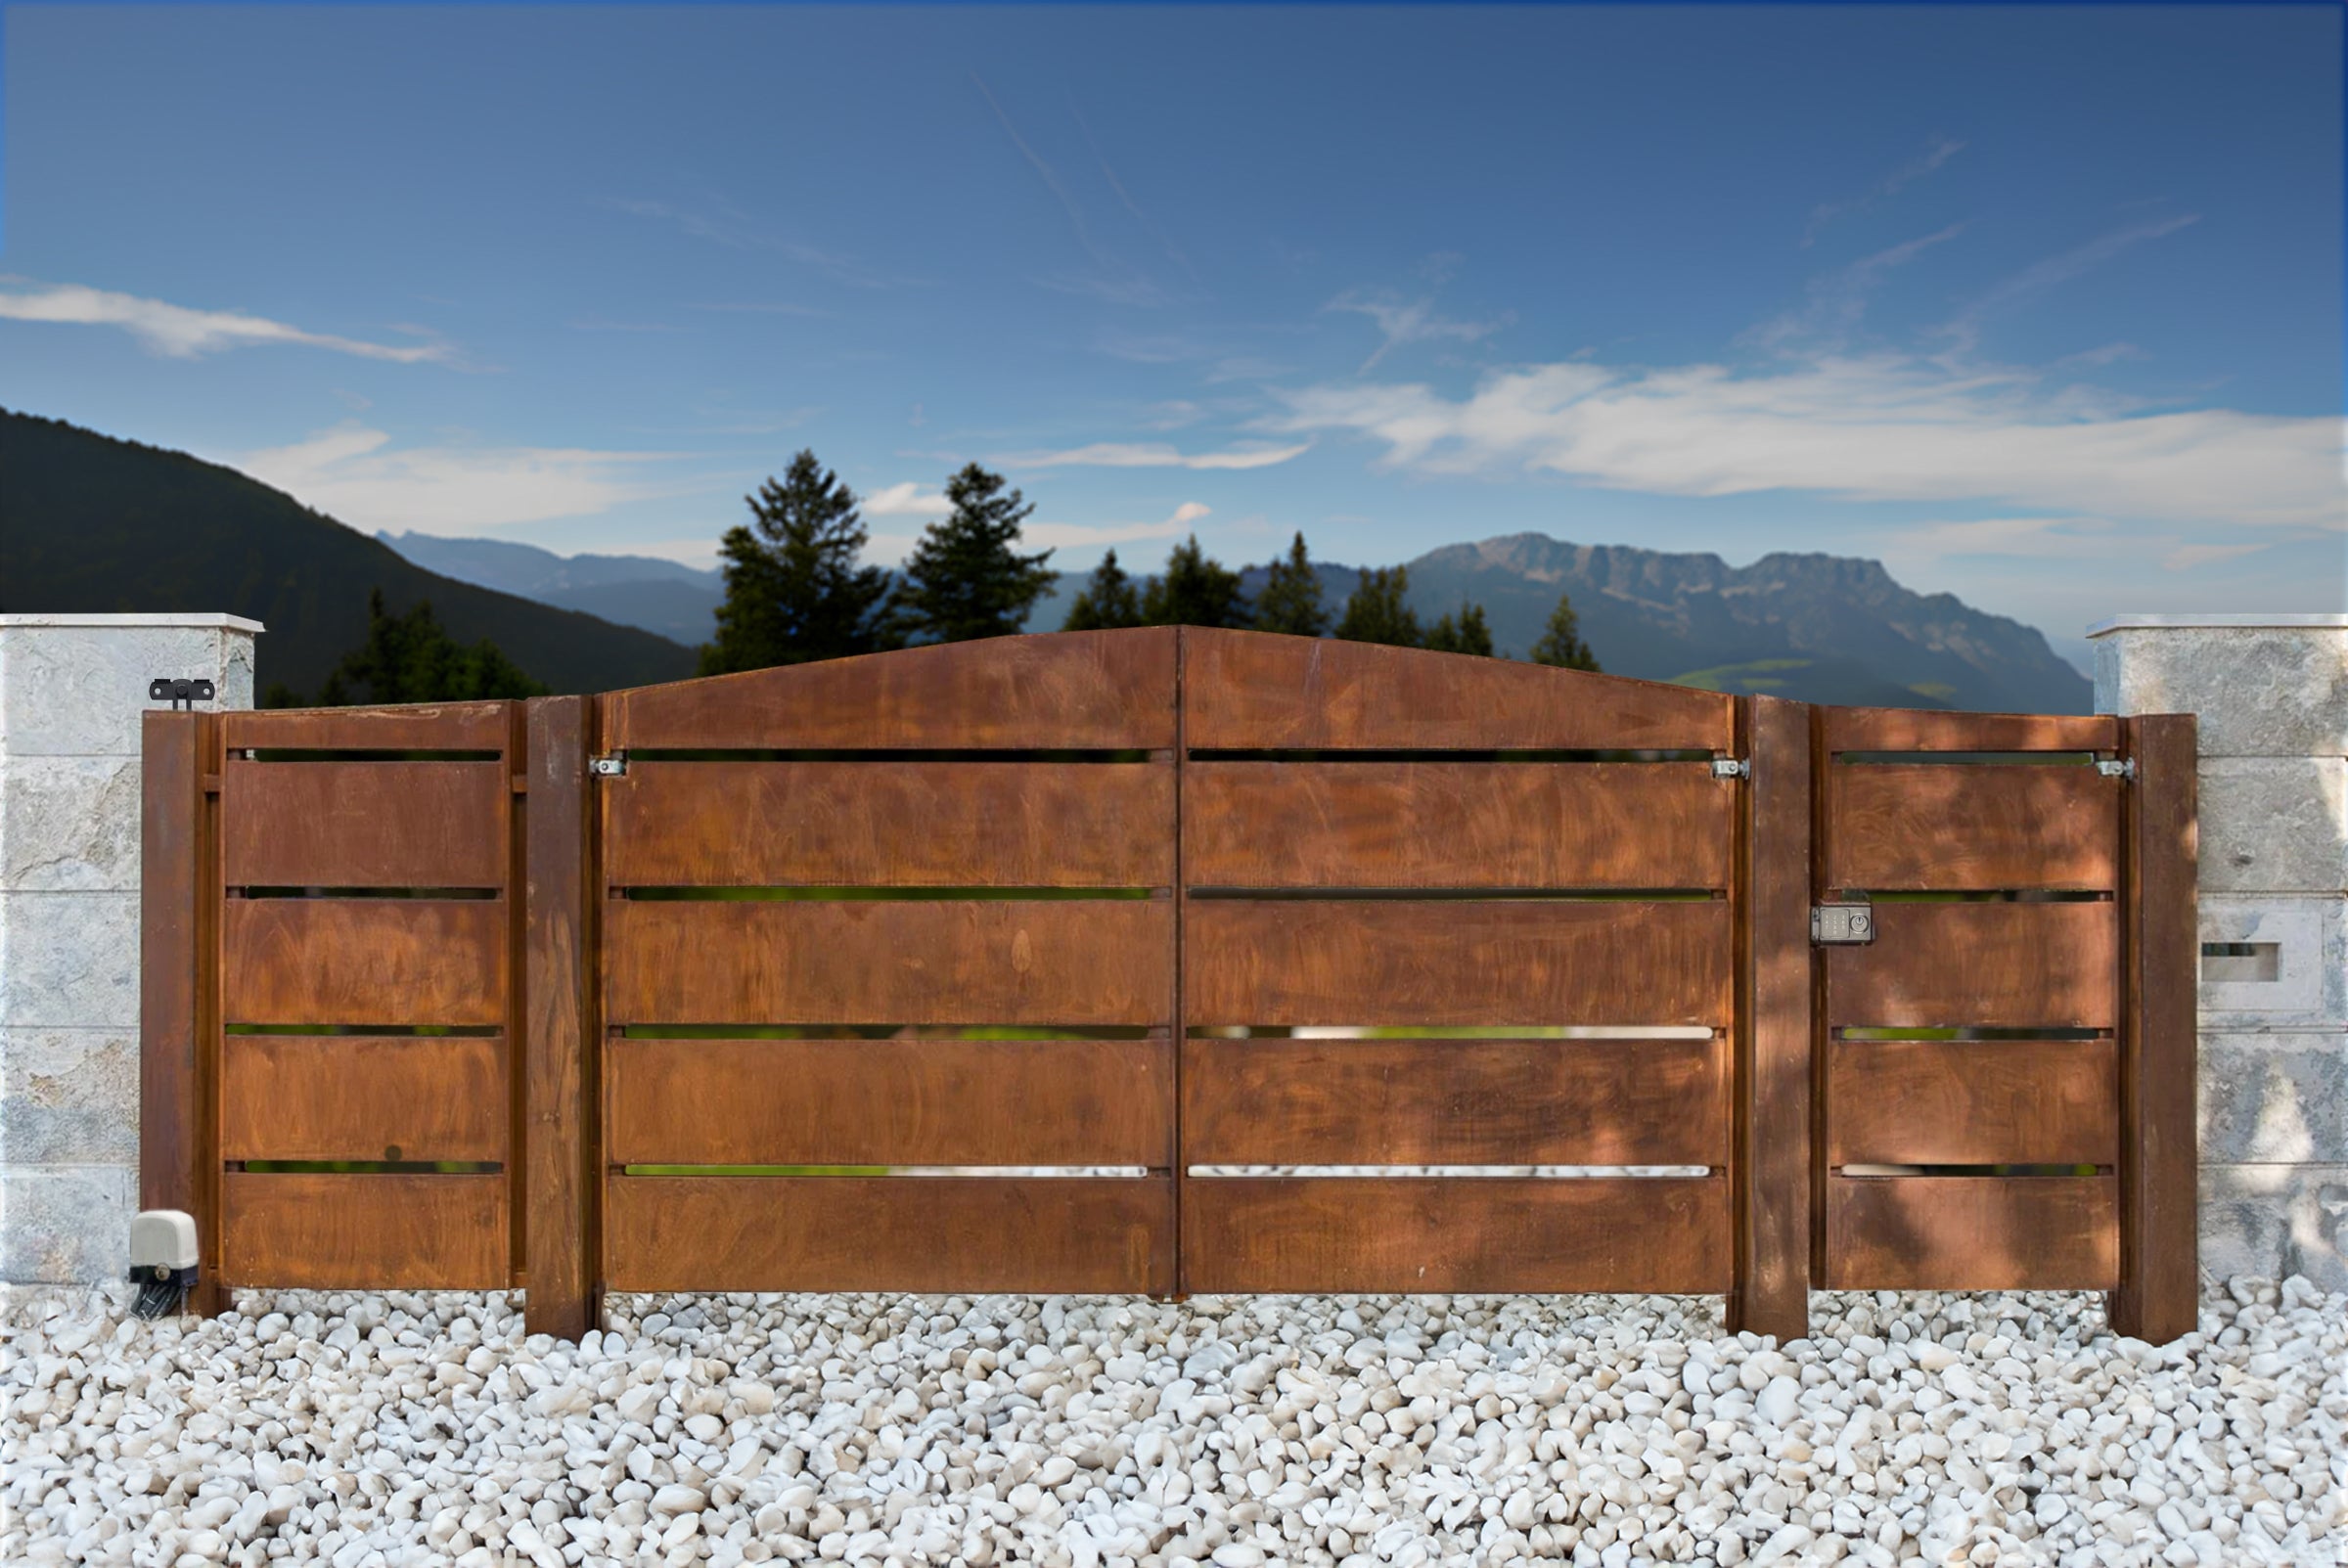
178, 332
760, 308
1131, 288
1126, 197
1051, 176
1879, 429
722, 223
1155, 455
1932, 157
907, 500
356, 474
1077, 535
2188, 557
1116, 283
1400, 321
1928, 546
1963, 331
1838, 300
603, 324
2032, 538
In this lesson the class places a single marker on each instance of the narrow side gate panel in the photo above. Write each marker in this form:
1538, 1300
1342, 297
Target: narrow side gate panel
360, 1089
1971, 1098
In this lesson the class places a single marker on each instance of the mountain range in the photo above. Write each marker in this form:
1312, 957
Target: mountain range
90, 523
1818, 627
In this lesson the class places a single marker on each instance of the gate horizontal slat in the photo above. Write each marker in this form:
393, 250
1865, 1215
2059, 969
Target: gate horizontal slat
422, 727
1455, 1101
1071, 962
1429, 962
1896, 827
362, 1231
363, 961
908, 823
1456, 825
1985, 964
1925, 730
1972, 1102
938, 1233
1973, 1233
364, 824
363, 1097
1246, 690
1493, 1233
1083, 691
890, 1102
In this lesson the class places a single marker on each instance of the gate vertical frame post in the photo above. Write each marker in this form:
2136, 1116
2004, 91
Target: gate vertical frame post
2158, 1296
1771, 1164
179, 1142
562, 1150
1174, 1265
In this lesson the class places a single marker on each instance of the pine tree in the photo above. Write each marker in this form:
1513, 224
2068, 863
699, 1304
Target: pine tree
964, 580
1561, 644
1376, 612
411, 659
1469, 635
1290, 601
794, 589
1195, 590
1108, 600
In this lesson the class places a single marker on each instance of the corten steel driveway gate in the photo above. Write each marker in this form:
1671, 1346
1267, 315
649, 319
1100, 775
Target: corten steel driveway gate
1138, 961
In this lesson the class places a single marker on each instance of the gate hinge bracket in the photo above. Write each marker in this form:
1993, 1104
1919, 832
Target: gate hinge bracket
1732, 768
1842, 925
610, 767
2122, 768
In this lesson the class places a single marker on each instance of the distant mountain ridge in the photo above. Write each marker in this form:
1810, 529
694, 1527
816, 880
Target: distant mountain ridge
90, 523
1818, 627
1833, 624
663, 597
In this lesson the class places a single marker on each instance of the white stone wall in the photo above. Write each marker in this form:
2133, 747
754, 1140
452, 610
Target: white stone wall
2270, 694
71, 691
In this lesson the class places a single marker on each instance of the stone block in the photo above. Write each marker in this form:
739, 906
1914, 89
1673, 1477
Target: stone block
2309, 937
68, 1096
69, 959
2275, 1221
72, 686
2258, 690
2273, 1098
66, 1225
2273, 824
69, 823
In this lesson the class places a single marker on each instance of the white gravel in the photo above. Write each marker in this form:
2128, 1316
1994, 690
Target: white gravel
407, 1429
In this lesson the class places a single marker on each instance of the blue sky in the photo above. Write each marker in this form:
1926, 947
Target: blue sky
2038, 306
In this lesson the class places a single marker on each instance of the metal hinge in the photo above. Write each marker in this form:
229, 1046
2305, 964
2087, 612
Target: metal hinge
179, 693
1732, 768
1842, 925
610, 767
2124, 768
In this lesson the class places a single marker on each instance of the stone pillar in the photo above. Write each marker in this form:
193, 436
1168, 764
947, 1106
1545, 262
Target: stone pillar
71, 690
2271, 692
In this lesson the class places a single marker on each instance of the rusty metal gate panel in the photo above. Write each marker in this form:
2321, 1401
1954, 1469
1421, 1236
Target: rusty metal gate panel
350, 1028
1977, 1048
1457, 914
903, 914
